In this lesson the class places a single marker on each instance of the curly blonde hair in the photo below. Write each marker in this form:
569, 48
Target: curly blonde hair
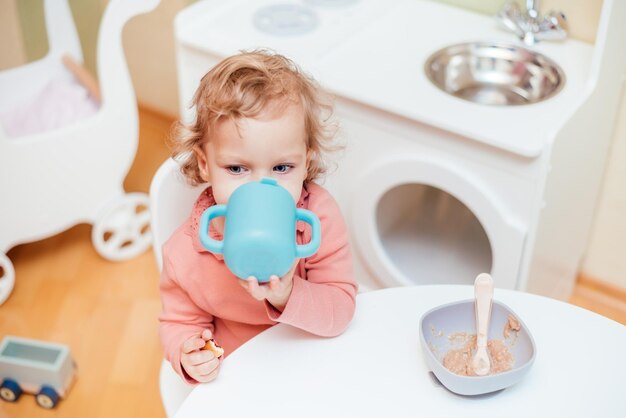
241, 86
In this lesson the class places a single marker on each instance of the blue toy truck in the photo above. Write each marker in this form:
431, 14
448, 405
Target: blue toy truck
44, 369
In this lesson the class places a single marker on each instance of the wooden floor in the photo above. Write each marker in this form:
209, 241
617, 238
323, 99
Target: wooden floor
107, 312
598, 297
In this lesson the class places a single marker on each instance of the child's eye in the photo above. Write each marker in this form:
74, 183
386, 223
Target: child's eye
235, 169
283, 168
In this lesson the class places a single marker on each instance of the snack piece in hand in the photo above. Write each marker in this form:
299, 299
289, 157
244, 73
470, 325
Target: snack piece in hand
214, 348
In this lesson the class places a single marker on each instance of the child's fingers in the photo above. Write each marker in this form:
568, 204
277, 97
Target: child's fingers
198, 358
253, 286
192, 344
202, 372
207, 367
264, 290
207, 334
211, 375
274, 283
245, 283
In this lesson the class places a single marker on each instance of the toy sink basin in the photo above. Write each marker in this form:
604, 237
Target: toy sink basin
494, 73
458, 317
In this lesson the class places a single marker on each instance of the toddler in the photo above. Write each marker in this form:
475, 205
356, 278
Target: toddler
257, 115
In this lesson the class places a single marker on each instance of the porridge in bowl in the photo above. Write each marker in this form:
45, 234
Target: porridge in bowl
448, 340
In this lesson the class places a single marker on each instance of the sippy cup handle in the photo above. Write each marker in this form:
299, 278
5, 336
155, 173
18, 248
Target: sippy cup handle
209, 243
306, 250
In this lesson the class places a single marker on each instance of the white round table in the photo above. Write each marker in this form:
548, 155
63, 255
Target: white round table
376, 367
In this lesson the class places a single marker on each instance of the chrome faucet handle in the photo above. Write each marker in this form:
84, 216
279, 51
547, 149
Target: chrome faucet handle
553, 26
532, 9
510, 16
530, 26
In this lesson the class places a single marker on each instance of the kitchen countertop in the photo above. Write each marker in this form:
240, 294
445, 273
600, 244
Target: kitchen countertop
382, 66
375, 54
224, 28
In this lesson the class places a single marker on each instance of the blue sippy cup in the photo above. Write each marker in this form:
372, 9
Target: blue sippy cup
260, 230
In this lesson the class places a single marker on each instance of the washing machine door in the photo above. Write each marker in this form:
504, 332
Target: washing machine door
427, 221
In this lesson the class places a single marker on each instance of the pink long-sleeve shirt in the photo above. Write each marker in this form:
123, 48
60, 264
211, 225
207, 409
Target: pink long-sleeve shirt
199, 292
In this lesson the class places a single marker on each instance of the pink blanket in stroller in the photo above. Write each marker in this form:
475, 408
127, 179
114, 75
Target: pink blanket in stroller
62, 101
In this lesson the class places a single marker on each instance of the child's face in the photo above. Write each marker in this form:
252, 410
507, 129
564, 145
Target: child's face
270, 145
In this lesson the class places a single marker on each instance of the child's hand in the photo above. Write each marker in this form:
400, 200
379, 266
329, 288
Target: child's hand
201, 365
276, 291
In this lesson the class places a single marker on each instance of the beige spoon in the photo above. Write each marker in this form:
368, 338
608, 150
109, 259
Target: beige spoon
483, 293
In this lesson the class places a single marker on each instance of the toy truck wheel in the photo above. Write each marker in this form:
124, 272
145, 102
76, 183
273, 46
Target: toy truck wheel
47, 397
10, 391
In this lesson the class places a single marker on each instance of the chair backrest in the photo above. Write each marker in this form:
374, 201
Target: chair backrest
171, 200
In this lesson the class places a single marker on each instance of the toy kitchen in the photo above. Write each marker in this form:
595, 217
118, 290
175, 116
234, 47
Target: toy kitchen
472, 143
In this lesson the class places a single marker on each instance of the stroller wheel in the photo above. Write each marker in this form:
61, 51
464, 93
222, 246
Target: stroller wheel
7, 277
122, 231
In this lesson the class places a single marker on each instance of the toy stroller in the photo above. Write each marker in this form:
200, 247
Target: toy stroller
54, 179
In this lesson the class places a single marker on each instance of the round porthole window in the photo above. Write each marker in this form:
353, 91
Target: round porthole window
430, 237
427, 221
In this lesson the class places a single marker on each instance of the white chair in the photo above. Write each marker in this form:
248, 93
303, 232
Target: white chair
171, 200
53, 179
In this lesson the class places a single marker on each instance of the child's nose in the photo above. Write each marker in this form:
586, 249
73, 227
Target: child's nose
259, 175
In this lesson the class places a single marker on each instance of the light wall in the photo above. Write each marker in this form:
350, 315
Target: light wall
606, 251
149, 46
12, 51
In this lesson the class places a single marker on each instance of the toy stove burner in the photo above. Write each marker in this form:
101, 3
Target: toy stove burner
285, 19
331, 3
